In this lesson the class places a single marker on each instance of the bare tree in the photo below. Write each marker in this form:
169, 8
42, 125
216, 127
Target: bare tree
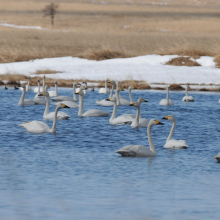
50, 10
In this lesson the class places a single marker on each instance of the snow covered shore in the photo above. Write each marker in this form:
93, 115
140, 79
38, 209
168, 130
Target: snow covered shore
149, 68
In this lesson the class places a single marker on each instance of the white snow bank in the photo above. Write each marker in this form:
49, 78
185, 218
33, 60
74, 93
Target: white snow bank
22, 27
149, 68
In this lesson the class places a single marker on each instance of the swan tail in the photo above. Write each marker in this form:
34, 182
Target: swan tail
127, 153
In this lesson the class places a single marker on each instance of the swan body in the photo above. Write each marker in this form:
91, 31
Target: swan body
124, 101
40, 89
68, 103
140, 150
23, 101
106, 89
84, 90
217, 157
139, 122
187, 98
54, 93
174, 144
91, 112
67, 98
104, 102
166, 101
41, 127
123, 119
28, 88
50, 116
40, 100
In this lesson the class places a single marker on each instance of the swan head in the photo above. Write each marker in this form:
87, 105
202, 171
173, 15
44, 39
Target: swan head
113, 99
140, 100
38, 80
131, 87
120, 89
155, 122
61, 105
23, 86
169, 117
44, 94
76, 83
56, 82
85, 82
81, 90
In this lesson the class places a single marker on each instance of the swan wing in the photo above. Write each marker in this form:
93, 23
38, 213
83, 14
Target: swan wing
188, 99
164, 102
52, 93
60, 116
103, 90
176, 144
136, 151
143, 122
29, 102
124, 102
36, 127
36, 89
103, 102
96, 113
217, 157
63, 98
121, 120
68, 103
40, 101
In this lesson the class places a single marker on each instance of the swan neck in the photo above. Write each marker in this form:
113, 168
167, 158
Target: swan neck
21, 102
114, 111
105, 85
172, 130
150, 140
167, 96
38, 87
46, 111
28, 87
130, 96
80, 112
53, 130
111, 94
44, 85
118, 99
74, 93
56, 93
186, 90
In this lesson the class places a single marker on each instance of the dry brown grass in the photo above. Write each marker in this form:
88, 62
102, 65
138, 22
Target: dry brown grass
176, 87
46, 71
217, 60
182, 61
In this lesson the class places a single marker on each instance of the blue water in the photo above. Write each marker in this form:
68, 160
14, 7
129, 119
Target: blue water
76, 174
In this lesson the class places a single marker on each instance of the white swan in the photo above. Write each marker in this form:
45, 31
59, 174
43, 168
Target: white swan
174, 144
85, 90
41, 127
90, 112
104, 102
117, 87
140, 150
41, 100
217, 157
187, 98
124, 101
28, 87
123, 119
42, 89
105, 89
68, 103
139, 121
166, 101
23, 101
50, 116
54, 93
38, 87
67, 98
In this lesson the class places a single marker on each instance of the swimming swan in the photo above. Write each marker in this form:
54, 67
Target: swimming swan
42, 89
50, 116
28, 88
84, 90
217, 157
174, 144
187, 98
23, 101
140, 150
90, 112
41, 127
67, 98
68, 103
139, 121
124, 101
123, 119
166, 101
54, 93
106, 89
104, 102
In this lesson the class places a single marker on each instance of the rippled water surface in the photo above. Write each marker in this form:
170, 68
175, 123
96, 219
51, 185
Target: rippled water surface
76, 174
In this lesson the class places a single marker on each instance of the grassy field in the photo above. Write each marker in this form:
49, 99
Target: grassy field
106, 29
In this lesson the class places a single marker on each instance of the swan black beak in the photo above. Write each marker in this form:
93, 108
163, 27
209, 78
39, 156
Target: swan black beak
166, 118
41, 94
107, 99
145, 101
132, 104
160, 123
66, 106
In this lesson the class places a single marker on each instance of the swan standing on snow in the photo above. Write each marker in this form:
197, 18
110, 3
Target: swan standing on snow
140, 150
104, 102
90, 112
23, 101
40, 89
67, 98
41, 127
166, 101
139, 121
50, 116
217, 157
28, 88
174, 144
123, 119
106, 89
54, 93
187, 98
